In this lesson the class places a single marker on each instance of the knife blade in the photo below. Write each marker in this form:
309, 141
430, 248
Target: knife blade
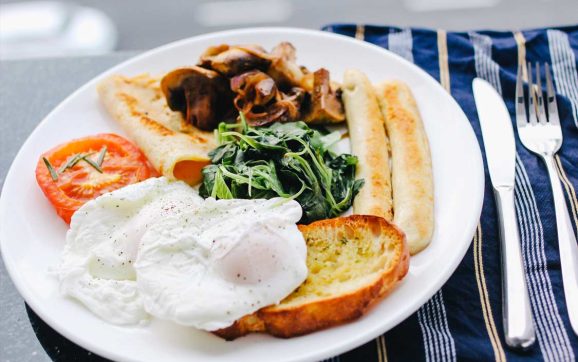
500, 147
497, 132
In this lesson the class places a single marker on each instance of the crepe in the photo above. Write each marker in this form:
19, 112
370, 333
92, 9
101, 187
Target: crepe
174, 147
369, 143
411, 165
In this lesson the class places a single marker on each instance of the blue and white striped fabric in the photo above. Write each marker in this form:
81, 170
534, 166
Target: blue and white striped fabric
463, 321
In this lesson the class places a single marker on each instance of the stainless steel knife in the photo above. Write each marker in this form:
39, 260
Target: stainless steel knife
500, 146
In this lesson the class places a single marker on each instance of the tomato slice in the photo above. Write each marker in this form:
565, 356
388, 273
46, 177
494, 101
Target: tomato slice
123, 164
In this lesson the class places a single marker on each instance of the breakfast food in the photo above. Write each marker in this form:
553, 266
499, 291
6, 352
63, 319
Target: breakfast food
353, 262
411, 165
157, 248
175, 148
282, 160
267, 87
228, 256
75, 172
369, 143
202, 96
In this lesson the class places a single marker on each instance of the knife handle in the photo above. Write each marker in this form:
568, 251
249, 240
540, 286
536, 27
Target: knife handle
518, 325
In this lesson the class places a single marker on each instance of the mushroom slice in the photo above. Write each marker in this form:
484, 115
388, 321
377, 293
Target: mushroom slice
286, 51
295, 96
290, 102
261, 102
282, 111
233, 60
284, 68
201, 95
326, 106
253, 87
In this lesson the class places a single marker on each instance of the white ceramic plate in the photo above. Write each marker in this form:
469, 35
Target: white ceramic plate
32, 235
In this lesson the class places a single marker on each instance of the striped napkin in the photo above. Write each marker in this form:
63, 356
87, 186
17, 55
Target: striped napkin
463, 321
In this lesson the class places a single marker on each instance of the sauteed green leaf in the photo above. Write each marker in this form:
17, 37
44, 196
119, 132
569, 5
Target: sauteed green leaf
289, 160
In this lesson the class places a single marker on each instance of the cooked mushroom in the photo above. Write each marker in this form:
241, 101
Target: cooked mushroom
286, 51
253, 87
233, 60
291, 103
261, 101
284, 110
284, 70
201, 95
326, 106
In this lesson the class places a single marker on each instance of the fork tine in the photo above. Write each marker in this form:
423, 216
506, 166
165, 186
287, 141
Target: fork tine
521, 119
540, 100
531, 97
553, 117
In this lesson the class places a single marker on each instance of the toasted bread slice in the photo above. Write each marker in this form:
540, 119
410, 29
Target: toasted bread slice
353, 262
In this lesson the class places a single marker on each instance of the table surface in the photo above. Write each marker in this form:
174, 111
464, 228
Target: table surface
24, 336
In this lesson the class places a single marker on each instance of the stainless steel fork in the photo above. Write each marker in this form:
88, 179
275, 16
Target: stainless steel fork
542, 135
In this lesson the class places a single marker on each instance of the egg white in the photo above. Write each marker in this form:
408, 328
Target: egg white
211, 265
156, 248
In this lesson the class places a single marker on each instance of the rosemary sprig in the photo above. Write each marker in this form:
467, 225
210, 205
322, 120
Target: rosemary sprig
72, 160
100, 158
92, 163
53, 173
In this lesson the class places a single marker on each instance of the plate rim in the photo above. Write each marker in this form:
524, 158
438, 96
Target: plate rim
314, 355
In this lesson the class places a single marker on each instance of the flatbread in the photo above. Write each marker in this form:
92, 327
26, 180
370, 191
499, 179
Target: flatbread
369, 143
175, 148
411, 165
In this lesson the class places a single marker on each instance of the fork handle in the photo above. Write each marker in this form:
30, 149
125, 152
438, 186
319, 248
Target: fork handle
518, 326
566, 244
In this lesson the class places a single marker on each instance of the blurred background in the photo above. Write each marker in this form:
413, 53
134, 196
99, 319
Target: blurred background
48, 28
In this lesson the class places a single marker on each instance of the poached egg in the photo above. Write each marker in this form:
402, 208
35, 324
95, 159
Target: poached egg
157, 248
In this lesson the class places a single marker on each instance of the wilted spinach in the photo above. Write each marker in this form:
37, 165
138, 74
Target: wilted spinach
288, 160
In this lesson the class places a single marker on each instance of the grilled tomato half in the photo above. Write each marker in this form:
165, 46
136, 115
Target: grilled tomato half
80, 170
